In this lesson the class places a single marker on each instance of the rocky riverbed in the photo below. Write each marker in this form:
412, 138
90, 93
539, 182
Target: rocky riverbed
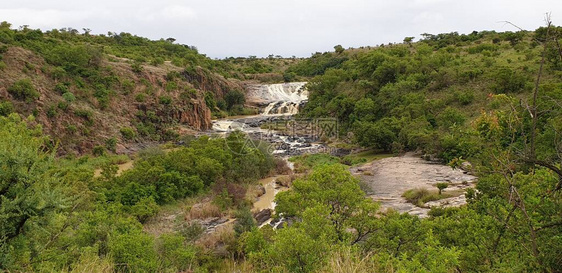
387, 179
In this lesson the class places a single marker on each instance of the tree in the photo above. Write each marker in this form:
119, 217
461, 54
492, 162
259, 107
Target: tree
441, 186
333, 187
234, 98
244, 221
297, 251
134, 252
408, 40
377, 135
30, 193
339, 49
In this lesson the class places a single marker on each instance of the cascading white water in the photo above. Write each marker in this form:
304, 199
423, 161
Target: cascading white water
281, 98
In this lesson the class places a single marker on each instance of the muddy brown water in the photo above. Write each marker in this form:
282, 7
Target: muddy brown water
266, 201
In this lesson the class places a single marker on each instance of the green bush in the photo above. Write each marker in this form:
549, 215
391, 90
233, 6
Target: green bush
111, 144
166, 100
128, 133
51, 111
234, 98
377, 135
174, 253
58, 73
85, 114
71, 128
61, 88
172, 75
2, 65
23, 90
245, 222
63, 105
133, 252
74, 59
140, 97
210, 101
6, 108
464, 97
137, 67
69, 97
509, 81
98, 150
157, 61
128, 86
145, 208
171, 86
441, 186
451, 116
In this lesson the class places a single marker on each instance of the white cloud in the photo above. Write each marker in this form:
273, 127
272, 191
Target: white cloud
44, 19
177, 12
221, 28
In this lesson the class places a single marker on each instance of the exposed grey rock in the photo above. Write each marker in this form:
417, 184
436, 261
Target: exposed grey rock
261, 190
392, 176
262, 216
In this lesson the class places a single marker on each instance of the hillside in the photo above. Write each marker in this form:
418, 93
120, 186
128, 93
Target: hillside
110, 91
433, 94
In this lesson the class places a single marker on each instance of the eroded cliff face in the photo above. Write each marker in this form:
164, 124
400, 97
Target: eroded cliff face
198, 115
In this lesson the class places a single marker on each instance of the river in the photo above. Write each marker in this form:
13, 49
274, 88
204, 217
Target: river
387, 179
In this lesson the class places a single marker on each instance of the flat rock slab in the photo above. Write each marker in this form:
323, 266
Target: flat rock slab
388, 178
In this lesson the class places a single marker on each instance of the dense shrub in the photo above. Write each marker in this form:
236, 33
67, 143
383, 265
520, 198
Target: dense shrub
69, 97
98, 150
61, 88
6, 108
127, 133
234, 98
23, 90
166, 100
111, 144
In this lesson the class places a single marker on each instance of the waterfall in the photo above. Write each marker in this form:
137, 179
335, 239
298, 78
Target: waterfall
280, 98
269, 107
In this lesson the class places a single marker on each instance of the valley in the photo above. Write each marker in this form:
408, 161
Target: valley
119, 153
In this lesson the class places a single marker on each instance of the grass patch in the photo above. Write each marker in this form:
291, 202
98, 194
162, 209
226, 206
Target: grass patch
93, 162
365, 156
306, 162
419, 197
203, 211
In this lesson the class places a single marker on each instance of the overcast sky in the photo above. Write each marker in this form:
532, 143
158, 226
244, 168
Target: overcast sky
280, 27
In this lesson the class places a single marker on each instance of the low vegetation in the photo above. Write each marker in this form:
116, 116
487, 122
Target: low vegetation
419, 197
52, 205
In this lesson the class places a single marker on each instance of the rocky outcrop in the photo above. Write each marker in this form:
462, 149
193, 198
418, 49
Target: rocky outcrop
198, 116
387, 179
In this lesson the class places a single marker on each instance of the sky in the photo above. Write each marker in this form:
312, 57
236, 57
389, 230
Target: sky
241, 28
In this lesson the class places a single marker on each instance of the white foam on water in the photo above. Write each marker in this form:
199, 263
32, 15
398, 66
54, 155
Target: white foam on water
282, 98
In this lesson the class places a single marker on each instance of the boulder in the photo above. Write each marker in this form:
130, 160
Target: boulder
262, 216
